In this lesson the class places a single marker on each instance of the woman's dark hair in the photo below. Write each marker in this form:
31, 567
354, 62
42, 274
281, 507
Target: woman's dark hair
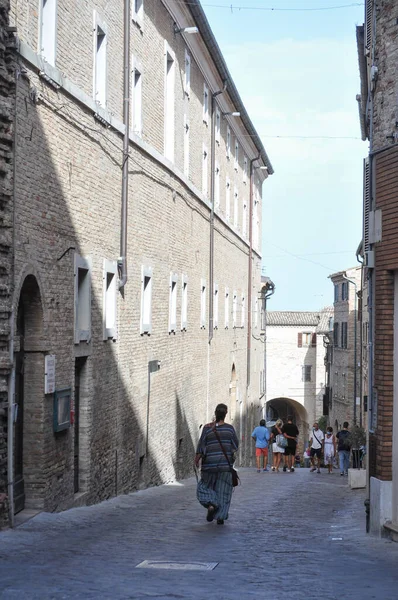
262, 423
289, 418
221, 411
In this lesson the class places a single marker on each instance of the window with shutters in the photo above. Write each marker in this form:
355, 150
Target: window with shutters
368, 26
215, 307
100, 60
336, 292
234, 309
205, 171
169, 102
336, 335
186, 144
82, 273
344, 290
344, 329
366, 203
217, 187
138, 12
206, 101
187, 75
245, 169
236, 161
255, 315
136, 98
305, 339
244, 219
243, 313
146, 300
306, 373
109, 278
48, 30
203, 304
228, 142
173, 303
226, 308
236, 213
218, 126
184, 303
227, 199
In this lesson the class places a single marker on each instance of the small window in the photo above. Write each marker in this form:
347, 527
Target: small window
227, 199
336, 335
82, 274
245, 167
228, 142
344, 290
205, 104
236, 215
48, 30
218, 126
215, 307
187, 131
203, 304
226, 308
256, 225
306, 373
184, 303
344, 330
256, 313
234, 309
136, 112
100, 51
138, 12
217, 187
205, 172
244, 219
169, 105
336, 292
109, 299
243, 313
187, 78
146, 300
173, 303
236, 155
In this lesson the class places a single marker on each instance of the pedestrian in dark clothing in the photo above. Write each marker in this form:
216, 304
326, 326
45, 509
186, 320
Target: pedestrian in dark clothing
290, 431
344, 448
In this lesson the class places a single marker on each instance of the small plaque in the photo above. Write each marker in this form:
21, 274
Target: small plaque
49, 374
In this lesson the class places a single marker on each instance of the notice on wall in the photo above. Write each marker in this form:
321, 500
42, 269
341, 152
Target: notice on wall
49, 374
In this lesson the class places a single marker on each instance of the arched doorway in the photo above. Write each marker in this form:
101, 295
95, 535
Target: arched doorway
29, 393
281, 408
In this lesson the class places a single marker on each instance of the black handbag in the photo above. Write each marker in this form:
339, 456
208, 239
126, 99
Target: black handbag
235, 476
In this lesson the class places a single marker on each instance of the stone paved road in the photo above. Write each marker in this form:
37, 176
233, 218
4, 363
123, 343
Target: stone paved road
278, 542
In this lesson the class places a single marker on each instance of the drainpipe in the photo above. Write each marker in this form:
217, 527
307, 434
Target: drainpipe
250, 274
355, 348
10, 425
122, 263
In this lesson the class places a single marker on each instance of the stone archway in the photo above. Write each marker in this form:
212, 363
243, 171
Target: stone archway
29, 398
281, 408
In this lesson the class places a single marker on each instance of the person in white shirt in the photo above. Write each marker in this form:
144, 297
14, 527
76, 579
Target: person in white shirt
316, 445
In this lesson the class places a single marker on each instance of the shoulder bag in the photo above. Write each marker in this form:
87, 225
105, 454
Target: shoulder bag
281, 441
235, 477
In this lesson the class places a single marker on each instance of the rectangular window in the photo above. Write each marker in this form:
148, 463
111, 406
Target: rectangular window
109, 278
48, 30
205, 104
336, 292
184, 303
217, 187
226, 308
306, 373
344, 290
146, 300
234, 309
215, 307
136, 98
205, 171
138, 12
228, 199
344, 330
256, 225
236, 215
255, 312
243, 313
186, 144
236, 155
203, 304
169, 103
336, 335
173, 302
228, 142
245, 167
187, 77
100, 44
82, 273
218, 126
244, 219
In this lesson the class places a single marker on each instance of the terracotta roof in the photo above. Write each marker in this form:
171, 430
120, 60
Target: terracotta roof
293, 318
324, 324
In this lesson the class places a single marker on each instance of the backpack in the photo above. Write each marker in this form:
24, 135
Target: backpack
346, 440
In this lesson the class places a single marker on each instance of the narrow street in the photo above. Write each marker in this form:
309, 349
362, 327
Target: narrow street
300, 535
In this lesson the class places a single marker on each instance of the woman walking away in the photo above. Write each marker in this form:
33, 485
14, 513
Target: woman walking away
216, 451
277, 451
329, 449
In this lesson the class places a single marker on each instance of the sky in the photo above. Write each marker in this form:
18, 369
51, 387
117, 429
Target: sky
297, 74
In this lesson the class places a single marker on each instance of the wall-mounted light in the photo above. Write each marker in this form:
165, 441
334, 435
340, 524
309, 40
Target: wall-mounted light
185, 29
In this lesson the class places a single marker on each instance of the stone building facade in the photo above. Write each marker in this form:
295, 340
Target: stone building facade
344, 397
377, 48
296, 366
138, 370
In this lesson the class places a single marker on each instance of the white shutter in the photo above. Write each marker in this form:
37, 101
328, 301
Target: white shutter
366, 203
368, 26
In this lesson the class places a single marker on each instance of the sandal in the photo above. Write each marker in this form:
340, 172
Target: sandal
210, 513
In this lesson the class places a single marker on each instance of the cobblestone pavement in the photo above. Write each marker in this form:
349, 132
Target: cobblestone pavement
298, 534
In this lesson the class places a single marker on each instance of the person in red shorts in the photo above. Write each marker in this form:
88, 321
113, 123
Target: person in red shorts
261, 436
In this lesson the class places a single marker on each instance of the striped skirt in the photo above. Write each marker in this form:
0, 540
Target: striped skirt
216, 489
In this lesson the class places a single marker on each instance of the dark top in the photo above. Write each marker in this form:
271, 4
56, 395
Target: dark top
274, 432
213, 458
342, 436
291, 429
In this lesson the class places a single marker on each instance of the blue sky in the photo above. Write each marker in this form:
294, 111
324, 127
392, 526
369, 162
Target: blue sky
297, 73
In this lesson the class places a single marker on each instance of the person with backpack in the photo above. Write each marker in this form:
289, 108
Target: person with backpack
344, 448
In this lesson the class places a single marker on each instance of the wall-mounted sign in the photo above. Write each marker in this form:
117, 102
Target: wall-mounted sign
49, 374
62, 399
